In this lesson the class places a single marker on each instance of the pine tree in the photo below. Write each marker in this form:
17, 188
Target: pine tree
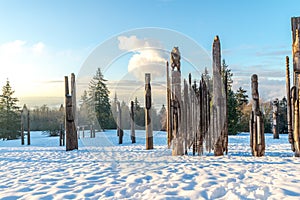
234, 114
139, 114
9, 113
99, 100
241, 96
84, 117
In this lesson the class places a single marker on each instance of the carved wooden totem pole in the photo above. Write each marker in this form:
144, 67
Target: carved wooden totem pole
219, 117
293, 94
177, 136
169, 112
119, 123
132, 123
71, 130
275, 125
257, 137
148, 120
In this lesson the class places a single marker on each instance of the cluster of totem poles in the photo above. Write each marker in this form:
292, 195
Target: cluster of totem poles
191, 120
197, 118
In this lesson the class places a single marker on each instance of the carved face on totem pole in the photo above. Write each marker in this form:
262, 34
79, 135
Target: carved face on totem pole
175, 58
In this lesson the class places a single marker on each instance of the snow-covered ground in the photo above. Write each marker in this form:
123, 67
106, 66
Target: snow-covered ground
102, 169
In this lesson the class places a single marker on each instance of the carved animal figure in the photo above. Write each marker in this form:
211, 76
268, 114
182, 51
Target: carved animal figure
175, 59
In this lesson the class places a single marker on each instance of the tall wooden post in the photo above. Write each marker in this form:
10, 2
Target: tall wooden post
176, 103
177, 141
28, 127
132, 123
22, 128
296, 125
275, 119
71, 130
289, 106
219, 102
94, 132
169, 129
119, 123
296, 129
185, 115
148, 119
74, 103
257, 137
295, 22
91, 131
61, 134
295, 91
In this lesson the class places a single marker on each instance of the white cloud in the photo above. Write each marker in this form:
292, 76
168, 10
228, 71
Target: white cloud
38, 48
148, 56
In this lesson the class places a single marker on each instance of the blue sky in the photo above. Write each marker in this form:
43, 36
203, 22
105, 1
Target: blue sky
50, 39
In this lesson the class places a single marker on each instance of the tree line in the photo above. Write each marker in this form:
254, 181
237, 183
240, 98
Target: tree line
95, 108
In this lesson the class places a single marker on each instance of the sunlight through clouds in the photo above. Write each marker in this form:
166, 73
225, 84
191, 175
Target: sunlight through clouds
21, 61
147, 57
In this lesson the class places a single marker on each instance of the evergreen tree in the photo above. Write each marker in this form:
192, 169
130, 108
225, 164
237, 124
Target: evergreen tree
241, 96
139, 115
99, 100
125, 115
9, 113
266, 107
85, 113
234, 114
242, 101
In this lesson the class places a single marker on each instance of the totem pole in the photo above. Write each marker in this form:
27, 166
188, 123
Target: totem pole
71, 130
275, 125
293, 94
148, 120
177, 141
219, 121
132, 123
257, 137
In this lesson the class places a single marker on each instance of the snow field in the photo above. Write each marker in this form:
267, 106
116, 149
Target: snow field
103, 169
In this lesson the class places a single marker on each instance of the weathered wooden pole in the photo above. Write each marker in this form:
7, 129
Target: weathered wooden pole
22, 128
61, 134
177, 141
296, 126
28, 127
289, 107
257, 137
132, 123
148, 119
94, 131
119, 123
169, 122
275, 128
74, 103
295, 91
185, 115
219, 102
295, 22
91, 131
189, 113
71, 131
